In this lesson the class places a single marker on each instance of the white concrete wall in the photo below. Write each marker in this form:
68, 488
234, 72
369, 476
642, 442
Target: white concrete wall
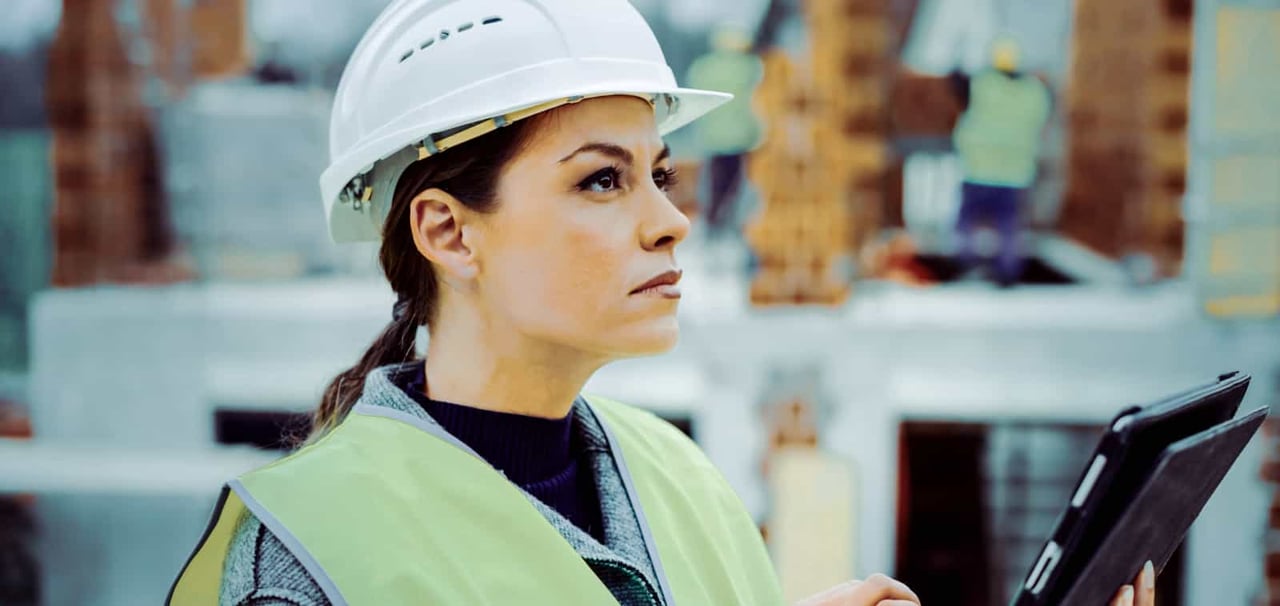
142, 369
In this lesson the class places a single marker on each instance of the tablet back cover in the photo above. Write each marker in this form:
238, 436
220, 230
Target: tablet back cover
1123, 459
1170, 499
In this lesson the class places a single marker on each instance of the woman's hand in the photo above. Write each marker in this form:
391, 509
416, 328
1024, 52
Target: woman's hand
1145, 592
880, 590
877, 590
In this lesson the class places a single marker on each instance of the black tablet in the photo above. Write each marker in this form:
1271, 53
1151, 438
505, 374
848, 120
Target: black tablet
1146, 451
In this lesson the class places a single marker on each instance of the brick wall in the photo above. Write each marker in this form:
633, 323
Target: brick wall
823, 168
111, 219
1270, 474
1127, 98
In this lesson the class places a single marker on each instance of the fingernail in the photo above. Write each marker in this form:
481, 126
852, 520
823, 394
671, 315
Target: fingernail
1126, 597
1148, 576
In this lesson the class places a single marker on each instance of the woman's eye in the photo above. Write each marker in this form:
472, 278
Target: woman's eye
665, 178
602, 181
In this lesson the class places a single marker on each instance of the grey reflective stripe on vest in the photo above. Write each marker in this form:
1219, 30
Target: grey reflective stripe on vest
291, 542
634, 497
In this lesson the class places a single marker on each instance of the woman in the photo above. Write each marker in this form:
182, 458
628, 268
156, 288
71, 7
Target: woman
508, 154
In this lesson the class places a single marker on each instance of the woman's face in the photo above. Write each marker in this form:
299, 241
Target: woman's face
583, 222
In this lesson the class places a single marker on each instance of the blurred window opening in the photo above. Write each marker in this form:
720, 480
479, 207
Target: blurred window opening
977, 501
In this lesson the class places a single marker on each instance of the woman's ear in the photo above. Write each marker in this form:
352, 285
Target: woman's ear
439, 223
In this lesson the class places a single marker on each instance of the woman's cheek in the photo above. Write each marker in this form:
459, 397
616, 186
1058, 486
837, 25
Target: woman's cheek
600, 264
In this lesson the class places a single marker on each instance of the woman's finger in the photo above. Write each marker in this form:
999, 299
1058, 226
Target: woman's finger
1124, 597
880, 588
876, 589
830, 596
897, 603
1146, 586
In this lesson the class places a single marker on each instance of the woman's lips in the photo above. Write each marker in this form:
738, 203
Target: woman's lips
666, 291
663, 285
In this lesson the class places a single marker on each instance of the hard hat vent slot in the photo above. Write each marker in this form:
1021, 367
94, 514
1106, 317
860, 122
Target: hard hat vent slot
444, 35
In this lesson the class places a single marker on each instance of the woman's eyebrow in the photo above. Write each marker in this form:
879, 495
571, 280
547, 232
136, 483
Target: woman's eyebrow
615, 151
664, 154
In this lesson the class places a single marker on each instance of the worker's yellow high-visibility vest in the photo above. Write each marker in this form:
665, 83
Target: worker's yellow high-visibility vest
388, 509
998, 137
732, 128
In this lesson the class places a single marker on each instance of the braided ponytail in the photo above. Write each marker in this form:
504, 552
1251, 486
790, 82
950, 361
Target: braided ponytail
395, 344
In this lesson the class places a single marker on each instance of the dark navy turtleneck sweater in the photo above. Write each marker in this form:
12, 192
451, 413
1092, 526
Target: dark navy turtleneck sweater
542, 456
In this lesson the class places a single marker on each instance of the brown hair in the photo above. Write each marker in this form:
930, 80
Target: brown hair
470, 173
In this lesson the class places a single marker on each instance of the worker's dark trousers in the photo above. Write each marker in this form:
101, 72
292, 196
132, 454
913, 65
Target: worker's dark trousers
726, 184
997, 206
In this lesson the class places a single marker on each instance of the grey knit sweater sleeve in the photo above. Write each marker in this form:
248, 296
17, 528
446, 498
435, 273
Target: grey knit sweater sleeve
261, 571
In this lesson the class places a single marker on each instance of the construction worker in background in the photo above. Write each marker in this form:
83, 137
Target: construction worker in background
728, 133
998, 142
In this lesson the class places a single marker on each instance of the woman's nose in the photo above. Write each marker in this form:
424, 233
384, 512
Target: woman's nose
665, 226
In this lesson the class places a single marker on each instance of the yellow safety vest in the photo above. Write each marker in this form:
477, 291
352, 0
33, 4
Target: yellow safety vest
389, 509
998, 137
732, 128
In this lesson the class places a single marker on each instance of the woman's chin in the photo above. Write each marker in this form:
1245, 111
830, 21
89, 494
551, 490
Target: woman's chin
652, 338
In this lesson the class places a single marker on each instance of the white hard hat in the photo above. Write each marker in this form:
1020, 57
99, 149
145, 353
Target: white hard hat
431, 74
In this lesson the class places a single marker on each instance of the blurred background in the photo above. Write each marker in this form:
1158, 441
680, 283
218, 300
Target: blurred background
938, 245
